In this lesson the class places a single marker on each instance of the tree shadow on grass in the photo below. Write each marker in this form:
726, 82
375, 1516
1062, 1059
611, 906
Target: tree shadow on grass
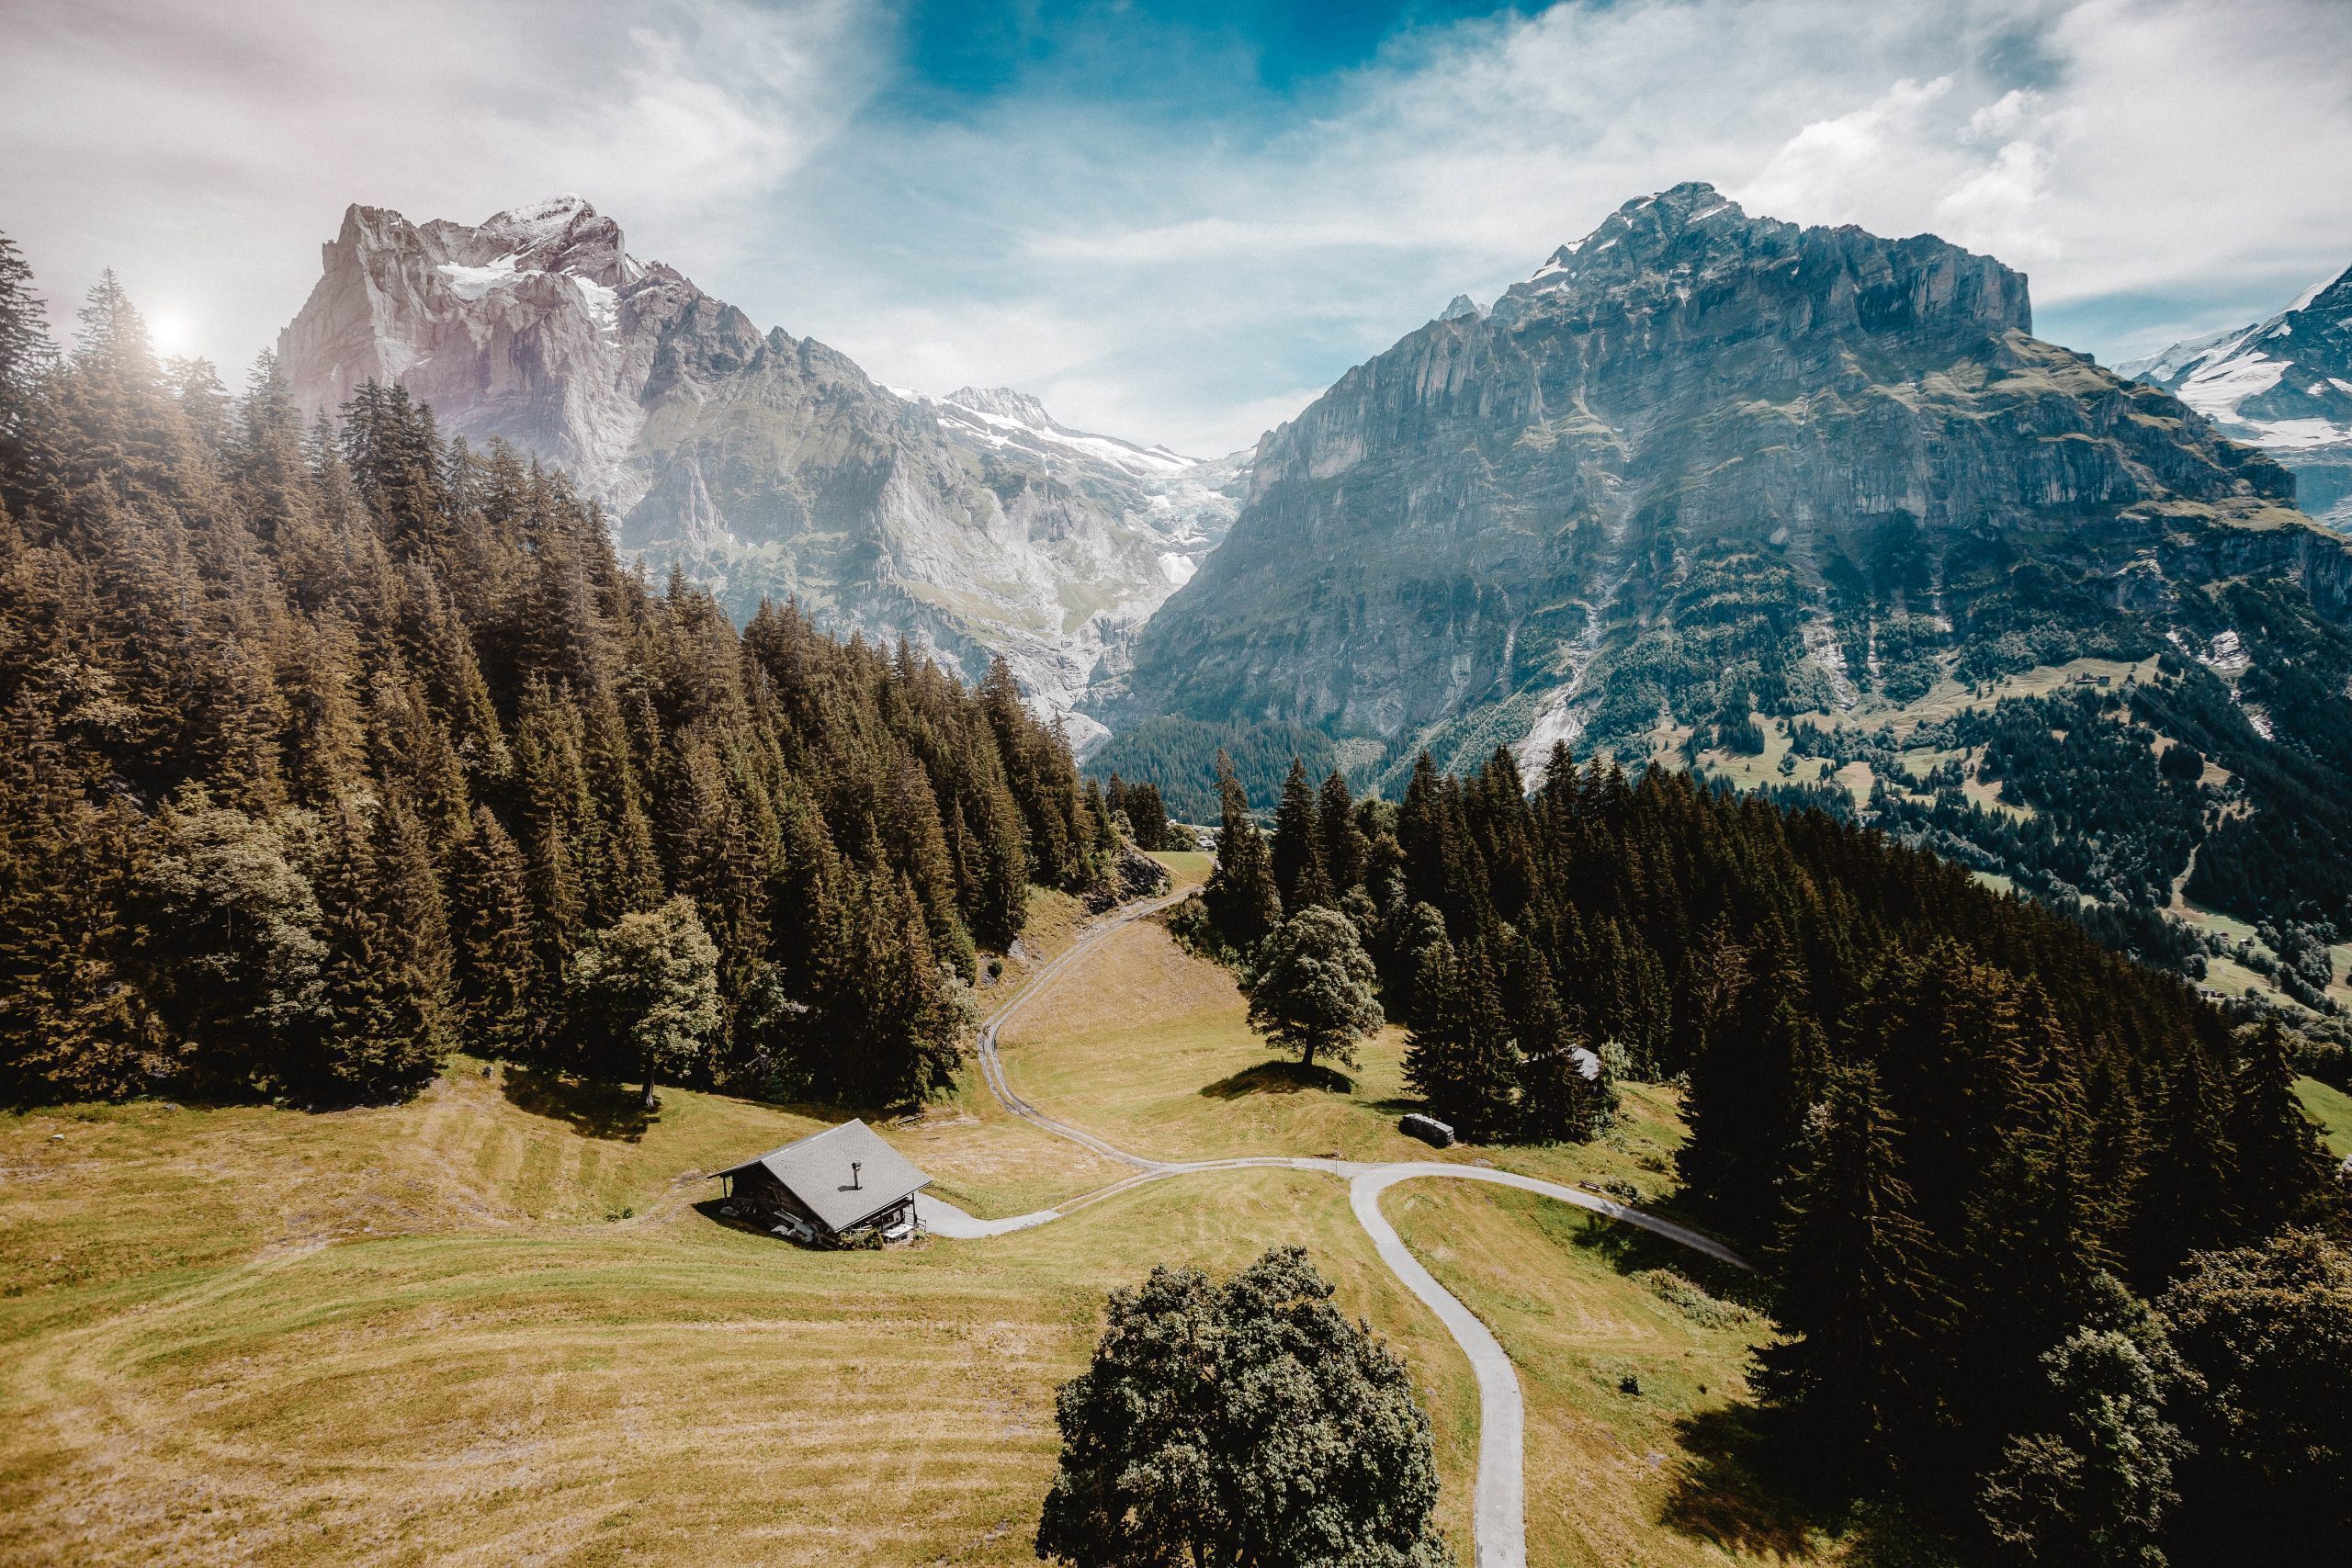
1753, 1487
1278, 1077
1726, 1495
588, 1106
1631, 1250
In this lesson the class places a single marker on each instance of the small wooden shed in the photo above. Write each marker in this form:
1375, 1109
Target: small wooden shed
828, 1186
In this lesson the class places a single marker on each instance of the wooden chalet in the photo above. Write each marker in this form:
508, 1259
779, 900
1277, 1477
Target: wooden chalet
831, 1186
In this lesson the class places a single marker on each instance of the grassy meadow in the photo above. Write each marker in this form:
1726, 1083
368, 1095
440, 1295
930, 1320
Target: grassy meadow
503, 1322
1651, 1477
466, 1383
1151, 1048
2332, 1109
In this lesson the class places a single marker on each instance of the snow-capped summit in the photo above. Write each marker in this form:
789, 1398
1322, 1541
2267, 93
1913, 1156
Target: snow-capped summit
2284, 384
999, 416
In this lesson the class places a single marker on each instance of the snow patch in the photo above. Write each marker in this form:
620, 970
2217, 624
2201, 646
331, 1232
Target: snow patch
2216, 389
2298, 434
2303, 300
1040, 435
603, 304
1179, 568
473, 282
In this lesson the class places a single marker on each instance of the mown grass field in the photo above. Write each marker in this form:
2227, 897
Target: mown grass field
1655, 1477
501, 1325
1153, 1049
659, 1388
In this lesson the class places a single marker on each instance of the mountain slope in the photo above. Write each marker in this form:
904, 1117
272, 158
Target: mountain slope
2284, 385
767, 465
1698, 458
1703, 468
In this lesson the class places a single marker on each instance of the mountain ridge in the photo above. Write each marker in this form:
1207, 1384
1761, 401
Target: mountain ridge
1690, 380
765, 465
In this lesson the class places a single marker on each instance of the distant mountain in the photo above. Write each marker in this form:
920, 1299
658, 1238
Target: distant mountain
2284, 385
1701, 459
764, 464
1703, 474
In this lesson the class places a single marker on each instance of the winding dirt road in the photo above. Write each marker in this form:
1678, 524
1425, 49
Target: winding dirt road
1499, 1506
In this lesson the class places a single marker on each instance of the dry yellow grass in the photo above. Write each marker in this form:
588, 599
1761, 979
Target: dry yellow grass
1151, 1047
1186, 868
493, 1326
661, 1389
1650, 1478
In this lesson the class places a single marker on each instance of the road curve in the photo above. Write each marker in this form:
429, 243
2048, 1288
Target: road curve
1499, 1502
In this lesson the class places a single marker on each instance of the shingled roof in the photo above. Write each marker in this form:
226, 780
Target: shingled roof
816, 1170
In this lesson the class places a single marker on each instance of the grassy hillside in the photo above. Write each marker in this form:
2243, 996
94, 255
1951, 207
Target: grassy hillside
502, 1323
1653, 1476
1153, 1050
661, 1387
2332, 1109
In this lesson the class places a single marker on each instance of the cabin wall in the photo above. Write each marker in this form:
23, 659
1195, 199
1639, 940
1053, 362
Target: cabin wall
759, 1195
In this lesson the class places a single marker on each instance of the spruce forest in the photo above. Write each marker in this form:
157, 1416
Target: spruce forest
1964, 1134
322, 751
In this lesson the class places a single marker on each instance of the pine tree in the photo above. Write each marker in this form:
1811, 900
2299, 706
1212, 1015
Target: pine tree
1464, 1058
1858, 1293
1148, 816
383, 1034
499, 971
1297, 849
1243, 903
2184, 1201
2279, 1167
26, 357
1345, 851
71, 1024
1751, 1089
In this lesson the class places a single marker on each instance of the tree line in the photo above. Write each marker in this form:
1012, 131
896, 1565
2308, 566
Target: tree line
1965, 1135
327, 748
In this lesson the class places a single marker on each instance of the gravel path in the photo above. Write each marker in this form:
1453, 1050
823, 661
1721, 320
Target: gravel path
1499, 1506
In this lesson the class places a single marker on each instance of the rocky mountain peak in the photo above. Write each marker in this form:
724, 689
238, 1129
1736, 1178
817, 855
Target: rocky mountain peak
1459, 307
1674, 252
1004, 401
1539, 525
766, 465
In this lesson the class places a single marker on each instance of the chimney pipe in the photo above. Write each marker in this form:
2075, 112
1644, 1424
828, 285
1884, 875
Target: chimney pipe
854, 1166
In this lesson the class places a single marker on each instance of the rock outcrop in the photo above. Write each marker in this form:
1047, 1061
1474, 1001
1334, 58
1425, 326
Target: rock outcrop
1701, 460
765, 465
2284, 385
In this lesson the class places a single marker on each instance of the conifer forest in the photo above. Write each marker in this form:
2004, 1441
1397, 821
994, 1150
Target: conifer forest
1146, 784
329, 748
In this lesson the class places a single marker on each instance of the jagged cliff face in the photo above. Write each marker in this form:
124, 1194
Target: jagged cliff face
764, 464
1701, 459
2284, 385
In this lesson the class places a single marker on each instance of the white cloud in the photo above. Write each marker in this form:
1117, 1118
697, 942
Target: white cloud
205, 150
1167, 275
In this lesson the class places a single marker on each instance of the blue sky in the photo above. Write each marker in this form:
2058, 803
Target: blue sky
1172, 222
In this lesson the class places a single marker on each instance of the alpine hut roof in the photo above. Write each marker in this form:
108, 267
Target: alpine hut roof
816, 1170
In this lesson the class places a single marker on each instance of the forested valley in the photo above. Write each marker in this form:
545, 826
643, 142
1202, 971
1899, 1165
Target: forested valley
325, 750
1996, 1170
